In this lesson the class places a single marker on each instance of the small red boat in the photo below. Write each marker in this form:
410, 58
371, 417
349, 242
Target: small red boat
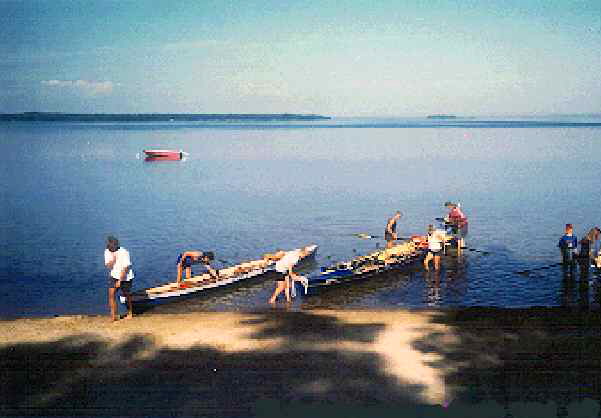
163, 155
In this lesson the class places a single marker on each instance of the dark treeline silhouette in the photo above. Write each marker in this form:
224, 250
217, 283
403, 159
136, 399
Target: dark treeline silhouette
152, 117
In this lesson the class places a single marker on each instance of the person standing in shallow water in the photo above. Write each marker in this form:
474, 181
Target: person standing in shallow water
568, 244
588, 245
459, 224
286, 276
118, 262
435, 243
390, 231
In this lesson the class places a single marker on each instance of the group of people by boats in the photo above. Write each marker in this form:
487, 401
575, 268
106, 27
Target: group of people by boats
117, 260
585, 252
453, 228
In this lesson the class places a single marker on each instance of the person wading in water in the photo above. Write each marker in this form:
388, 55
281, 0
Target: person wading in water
390, 232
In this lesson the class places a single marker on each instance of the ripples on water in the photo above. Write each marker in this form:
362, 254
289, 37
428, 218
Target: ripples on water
246, 190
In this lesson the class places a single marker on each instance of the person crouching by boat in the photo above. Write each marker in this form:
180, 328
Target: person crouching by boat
186, 259
390, 232
118, 261
459, 225
567, 244
285, 277
435, 243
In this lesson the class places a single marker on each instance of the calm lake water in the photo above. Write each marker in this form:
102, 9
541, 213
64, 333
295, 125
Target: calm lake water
247, 189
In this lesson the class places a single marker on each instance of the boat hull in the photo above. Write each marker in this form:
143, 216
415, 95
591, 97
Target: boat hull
361, 268
163, 155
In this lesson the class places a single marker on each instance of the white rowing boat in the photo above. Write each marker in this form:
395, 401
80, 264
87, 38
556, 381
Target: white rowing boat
203, 282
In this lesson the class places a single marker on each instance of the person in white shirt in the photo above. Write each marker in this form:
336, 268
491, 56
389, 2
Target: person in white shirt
284, 266
436, 240
118, 262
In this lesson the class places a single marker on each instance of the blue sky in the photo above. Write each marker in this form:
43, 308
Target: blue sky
339, 58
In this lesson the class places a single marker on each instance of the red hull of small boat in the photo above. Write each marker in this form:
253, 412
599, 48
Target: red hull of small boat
166, 158
163, 155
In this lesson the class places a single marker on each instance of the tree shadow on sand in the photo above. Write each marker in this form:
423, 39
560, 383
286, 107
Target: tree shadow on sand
545, 358
86, 376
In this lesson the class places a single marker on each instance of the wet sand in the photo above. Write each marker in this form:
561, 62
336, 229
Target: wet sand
320, 362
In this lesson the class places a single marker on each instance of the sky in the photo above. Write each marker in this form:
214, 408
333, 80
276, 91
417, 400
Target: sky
336, 58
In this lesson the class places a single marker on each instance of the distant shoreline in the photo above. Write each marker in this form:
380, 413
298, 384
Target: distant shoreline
154, 117
442, 117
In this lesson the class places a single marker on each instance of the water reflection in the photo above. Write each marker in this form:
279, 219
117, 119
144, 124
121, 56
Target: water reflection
432, 294
580, 286
368, 291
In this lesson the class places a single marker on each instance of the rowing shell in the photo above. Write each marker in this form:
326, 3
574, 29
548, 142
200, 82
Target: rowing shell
196, 284
398, 257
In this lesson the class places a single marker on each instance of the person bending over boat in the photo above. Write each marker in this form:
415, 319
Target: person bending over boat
285, 278
435, 242
187, 259
567, 244
390, 231
458, 221
118, 261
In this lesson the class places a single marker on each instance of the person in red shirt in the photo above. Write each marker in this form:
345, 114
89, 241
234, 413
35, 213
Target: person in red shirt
458, 221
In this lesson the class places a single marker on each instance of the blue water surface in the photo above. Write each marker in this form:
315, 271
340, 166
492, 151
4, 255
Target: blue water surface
247, 189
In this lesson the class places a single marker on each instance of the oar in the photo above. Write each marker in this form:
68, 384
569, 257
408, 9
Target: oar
369, 236
528, 271
365, 236
476, 251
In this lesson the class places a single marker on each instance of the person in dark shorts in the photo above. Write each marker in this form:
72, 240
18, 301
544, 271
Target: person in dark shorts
118, 262
436, 241
567, 245
390, 231
186, 259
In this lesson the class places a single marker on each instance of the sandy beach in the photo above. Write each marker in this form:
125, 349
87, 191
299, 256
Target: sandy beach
273, 362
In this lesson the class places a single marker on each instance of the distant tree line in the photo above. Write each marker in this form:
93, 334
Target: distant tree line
153, 117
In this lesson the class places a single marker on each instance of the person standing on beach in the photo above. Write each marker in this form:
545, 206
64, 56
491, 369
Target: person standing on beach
390, 231
567, 244
118, 262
